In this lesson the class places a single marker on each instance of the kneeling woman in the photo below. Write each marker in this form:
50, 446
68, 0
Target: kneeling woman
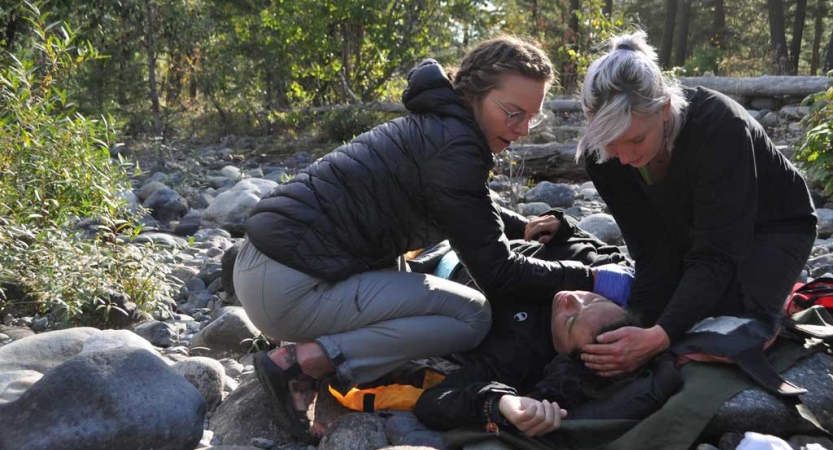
717, 220
319, 265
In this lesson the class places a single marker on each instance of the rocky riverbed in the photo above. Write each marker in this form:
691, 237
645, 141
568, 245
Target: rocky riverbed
185, 380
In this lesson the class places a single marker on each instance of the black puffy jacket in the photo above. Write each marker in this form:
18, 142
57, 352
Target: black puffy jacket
404, 185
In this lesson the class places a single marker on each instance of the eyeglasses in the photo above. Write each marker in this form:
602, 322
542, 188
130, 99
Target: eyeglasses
515, 118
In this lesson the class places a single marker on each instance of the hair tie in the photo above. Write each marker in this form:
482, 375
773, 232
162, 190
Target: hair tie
624, 47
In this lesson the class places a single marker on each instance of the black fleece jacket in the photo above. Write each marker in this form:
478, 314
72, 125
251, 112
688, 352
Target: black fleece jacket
688, 232
404, 185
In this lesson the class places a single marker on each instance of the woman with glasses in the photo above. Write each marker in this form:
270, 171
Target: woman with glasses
322, 263
718, 221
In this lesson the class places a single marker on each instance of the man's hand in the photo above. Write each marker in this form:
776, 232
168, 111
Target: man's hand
530, 416
624, 350
548, 225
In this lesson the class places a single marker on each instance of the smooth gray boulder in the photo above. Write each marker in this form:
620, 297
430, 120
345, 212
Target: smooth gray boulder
230, 335
603, 226
189, 223
112, 339
358, 431
557, 195
160, 239
246, 414
149, 188
42, 352
166, 205
24, 361
231, 208
205, 374
757, 410
820, 265
122, 398
825, 226
160, 334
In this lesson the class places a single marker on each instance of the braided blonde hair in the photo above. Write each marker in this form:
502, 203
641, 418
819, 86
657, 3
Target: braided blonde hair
481, 68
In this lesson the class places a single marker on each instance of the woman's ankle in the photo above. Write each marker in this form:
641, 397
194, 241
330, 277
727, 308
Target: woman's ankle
310, 357
313, 360
281, 357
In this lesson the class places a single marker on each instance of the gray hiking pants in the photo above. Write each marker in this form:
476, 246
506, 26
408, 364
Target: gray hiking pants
368, 324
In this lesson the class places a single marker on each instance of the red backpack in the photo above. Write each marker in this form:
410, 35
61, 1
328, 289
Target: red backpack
805, 295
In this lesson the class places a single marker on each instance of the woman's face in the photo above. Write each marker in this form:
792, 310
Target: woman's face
642, 141
515, 93
577, 316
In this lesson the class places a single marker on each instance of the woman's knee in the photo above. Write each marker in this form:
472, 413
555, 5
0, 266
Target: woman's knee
479, 321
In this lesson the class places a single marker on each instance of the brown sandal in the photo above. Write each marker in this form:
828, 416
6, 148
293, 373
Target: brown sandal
280, 384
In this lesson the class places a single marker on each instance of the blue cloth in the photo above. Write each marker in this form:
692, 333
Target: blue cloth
614, 283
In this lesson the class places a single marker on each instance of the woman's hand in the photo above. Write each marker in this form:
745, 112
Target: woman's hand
530, 416
546, 225
624, 350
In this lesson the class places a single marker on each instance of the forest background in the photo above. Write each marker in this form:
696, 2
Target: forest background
191, 68
79, 79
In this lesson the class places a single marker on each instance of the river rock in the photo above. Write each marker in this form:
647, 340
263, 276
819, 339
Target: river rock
121, 398
166, 205
603, 226
557, 195
231, 208
359, 431
246, 414
160, 334
149, 188
825, 226
230, 335
205, 374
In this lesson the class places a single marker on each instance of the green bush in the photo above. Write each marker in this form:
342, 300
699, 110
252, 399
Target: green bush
345, 124
55, 169
816, 153
704, 59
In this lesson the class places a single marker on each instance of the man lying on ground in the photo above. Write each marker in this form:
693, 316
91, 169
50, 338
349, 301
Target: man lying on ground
526, 374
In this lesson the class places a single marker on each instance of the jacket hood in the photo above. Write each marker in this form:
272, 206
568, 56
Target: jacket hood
430, 91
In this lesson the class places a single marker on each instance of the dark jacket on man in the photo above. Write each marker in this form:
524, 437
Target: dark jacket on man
518, 358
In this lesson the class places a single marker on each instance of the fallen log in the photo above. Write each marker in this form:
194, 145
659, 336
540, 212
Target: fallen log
551, 161
763, 86
563, 105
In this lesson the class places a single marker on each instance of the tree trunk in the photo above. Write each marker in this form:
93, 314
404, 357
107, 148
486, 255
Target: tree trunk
607, 9
569, 76
828, 62
682, 36
798, 33
550, 162
777, 36
575, 5
817, 32
150, 46
534, 9
718, 35
668, 33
